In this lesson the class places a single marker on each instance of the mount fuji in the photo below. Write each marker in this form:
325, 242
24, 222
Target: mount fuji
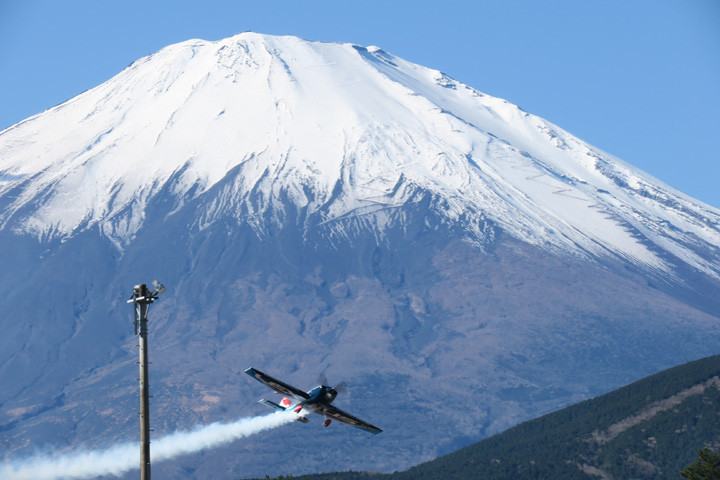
329, 209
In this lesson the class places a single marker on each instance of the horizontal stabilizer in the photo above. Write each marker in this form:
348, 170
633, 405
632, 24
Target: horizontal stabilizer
272, 405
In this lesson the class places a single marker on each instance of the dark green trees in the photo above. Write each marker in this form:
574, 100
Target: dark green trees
707, 466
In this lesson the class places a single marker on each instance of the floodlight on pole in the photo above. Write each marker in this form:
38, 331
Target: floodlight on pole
141, 299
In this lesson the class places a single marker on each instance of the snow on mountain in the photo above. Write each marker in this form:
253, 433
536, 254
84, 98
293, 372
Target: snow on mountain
328, 208
339, 130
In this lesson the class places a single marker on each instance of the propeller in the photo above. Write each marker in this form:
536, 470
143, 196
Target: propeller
339, 388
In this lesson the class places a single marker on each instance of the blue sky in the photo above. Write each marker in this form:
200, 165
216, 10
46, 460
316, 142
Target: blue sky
639, 79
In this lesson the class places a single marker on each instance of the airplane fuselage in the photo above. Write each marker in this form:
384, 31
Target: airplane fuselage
319, 397
321, 394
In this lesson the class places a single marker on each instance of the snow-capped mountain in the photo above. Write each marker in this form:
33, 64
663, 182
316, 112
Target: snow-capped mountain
338, 130
325, 206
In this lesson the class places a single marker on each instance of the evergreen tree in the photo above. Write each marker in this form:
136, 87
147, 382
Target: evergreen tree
707, 466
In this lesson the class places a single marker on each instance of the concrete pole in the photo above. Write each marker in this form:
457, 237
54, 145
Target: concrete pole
144, 399
142, 299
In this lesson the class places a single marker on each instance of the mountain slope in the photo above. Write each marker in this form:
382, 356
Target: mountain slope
329, 208
650, 429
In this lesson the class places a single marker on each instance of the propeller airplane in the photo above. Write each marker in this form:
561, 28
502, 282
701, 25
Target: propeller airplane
317, 400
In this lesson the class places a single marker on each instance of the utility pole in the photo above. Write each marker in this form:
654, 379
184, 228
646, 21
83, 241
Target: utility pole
141, 299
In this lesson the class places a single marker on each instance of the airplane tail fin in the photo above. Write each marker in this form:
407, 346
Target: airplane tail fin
280, 408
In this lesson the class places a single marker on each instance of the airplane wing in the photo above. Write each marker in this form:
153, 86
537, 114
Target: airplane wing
277, 385
337, 414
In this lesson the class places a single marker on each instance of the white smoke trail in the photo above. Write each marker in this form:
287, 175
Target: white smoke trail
125, 457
